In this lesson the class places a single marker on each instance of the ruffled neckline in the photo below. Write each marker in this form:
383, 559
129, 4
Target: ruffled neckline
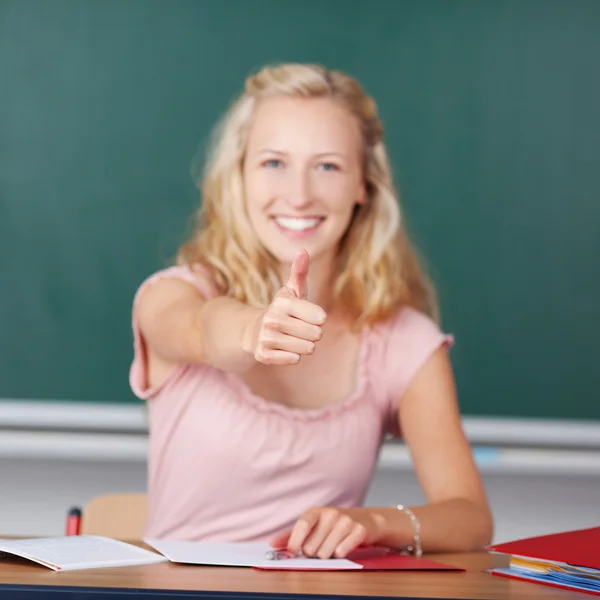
246, 395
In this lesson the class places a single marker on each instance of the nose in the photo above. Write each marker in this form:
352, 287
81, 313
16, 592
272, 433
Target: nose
298, 193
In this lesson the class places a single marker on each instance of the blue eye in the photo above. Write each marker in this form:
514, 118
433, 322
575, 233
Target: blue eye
329, 167
273, 163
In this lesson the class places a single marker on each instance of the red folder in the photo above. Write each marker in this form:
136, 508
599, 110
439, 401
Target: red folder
376, 559
580, 547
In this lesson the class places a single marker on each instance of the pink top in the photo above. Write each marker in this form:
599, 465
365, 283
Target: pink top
226, 465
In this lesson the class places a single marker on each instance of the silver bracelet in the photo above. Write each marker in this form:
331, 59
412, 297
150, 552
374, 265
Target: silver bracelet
415, 548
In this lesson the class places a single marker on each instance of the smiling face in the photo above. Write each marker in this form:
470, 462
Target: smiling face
302, 175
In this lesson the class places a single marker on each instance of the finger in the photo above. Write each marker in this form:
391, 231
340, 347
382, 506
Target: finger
273, 340
327, 521
294, 327
356, 538
280, 540
301, 530
298, 308
342, 528
268, 356
298, 274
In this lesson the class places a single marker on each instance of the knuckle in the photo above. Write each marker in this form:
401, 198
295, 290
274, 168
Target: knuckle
346, 522
331, 515
289, 358
313, 513
310, 348
312, 333
360, 530
281, 304
261, 356
282, 292
304, 521
271, 321
268, 337
311, 517
319, 316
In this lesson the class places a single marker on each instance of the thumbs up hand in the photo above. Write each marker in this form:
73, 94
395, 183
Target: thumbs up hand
291, 325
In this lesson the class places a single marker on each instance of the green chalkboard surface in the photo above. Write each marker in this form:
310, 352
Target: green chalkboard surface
493, 123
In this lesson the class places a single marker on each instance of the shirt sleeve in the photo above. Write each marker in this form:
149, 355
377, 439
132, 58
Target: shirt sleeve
412, 338
138, 373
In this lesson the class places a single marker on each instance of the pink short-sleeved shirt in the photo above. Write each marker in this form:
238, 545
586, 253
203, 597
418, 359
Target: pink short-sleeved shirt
226, 465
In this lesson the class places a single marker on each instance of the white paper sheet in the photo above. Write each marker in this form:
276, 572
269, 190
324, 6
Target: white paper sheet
239, 554
68, 553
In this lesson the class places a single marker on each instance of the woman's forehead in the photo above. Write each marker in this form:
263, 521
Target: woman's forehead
289, 124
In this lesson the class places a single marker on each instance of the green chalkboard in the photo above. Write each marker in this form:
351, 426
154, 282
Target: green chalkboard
493, 124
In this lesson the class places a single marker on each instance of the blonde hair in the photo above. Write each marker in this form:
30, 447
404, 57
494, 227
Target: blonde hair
378, 269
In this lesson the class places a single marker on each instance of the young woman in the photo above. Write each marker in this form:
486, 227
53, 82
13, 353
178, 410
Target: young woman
296, 330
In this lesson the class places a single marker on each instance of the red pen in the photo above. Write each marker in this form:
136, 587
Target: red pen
73, 521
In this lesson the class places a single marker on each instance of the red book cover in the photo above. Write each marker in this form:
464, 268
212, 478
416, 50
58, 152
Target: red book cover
392, 561
376, 559
580, 547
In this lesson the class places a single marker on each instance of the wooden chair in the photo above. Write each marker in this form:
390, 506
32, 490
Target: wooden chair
120, 516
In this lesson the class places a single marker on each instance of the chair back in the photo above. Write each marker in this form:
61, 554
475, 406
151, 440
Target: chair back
120, 516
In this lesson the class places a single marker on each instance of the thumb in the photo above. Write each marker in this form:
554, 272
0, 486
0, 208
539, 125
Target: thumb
299, 274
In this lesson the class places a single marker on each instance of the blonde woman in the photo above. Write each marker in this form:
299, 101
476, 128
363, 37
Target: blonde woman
296, 330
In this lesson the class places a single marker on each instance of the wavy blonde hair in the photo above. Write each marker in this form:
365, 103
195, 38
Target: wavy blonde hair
378, 269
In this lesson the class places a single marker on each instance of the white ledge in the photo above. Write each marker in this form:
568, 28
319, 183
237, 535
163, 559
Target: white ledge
533, 461
32, 414
58, 445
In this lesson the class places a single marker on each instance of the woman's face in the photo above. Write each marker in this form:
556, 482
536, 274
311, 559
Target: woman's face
302, 175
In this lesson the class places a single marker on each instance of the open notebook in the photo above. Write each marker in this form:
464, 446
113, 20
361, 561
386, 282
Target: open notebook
67, 553
253, 554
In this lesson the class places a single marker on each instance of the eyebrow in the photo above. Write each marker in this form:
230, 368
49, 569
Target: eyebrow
319, 155
270, 151
331, 153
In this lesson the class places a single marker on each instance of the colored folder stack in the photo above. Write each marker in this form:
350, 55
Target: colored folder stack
569, 560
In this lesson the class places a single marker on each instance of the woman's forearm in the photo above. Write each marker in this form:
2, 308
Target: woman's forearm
457, 525
226, 331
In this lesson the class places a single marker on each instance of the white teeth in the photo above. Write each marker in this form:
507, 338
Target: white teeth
296, 224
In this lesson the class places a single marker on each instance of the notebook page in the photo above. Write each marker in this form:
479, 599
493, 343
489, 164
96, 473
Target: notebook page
239, 554
79, 552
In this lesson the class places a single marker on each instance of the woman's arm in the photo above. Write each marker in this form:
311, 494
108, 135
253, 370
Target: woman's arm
457, 516
180, 326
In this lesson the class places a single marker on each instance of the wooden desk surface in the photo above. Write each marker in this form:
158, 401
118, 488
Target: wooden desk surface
20, 580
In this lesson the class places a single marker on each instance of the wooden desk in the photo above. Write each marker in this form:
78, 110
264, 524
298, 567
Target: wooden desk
21, 580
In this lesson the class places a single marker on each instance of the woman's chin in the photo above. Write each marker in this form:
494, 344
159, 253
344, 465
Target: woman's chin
286, 255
